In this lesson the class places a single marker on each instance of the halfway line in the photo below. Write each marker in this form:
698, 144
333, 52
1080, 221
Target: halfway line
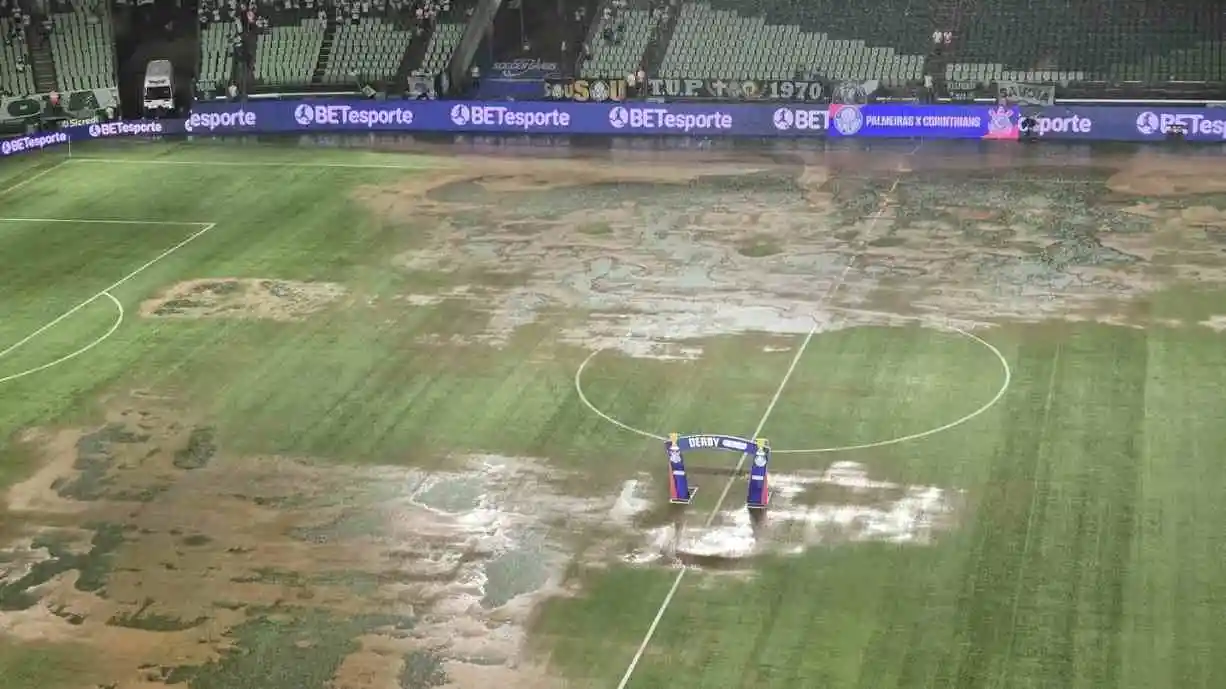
834, 287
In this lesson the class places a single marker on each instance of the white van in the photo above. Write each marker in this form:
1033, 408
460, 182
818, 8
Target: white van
159, 91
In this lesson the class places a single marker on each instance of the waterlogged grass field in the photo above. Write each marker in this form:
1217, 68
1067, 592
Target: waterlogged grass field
285, 418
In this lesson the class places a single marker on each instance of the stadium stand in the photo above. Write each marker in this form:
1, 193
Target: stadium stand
287, 51
83, 46
1116, 40
619, 40
16, 77
891, 41
304, 42
370, 47
721, 43
216, 55
1198, 61
443, 42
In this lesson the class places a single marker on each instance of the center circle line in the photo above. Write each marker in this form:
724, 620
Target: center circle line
1006, 382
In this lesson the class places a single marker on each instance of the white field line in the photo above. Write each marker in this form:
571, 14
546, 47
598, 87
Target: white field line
41, 173
106, 291
105, 222
255, 163
787, 376
119, 315
1006, 382
432, 163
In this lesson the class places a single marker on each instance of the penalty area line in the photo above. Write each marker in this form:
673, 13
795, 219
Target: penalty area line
770, 408
105, 292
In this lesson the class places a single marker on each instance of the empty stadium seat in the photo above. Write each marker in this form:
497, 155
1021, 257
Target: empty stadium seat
216, 55
83, 48
1121, 40
287, 54
986, 73
442, 44
624, 54
1202, 61
720, 43
371, 48
12, 80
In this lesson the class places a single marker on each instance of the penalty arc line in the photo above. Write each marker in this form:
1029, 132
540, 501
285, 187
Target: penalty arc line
114, 327
834, 288
105, 292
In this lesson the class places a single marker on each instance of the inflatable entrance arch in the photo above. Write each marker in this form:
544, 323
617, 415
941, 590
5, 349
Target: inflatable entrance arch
680, 491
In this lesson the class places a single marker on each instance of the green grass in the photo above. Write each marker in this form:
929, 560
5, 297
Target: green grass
1069, 569
53, 666
1088, 551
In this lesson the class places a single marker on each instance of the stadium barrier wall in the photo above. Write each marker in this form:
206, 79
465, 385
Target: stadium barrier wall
28, 143
1084, 123
1101, 123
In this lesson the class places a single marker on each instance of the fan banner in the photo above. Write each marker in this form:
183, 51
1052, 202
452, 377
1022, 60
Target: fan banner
785, 90
1016, 93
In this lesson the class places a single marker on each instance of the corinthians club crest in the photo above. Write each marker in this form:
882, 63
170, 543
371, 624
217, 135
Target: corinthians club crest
1002, 123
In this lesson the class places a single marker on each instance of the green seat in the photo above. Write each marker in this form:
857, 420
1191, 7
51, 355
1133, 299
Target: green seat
83, 51
771, 40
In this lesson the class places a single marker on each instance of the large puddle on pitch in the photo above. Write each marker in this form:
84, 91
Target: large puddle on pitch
844, 504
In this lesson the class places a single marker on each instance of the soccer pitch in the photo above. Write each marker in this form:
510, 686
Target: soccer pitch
284, 418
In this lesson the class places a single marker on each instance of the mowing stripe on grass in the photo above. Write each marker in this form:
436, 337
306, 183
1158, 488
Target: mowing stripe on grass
119, 316
252, 163
41, 173
105, 292
1029, 532
104, 221
431, 164
834, 288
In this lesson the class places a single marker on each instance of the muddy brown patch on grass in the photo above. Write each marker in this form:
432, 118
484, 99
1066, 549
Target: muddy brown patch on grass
175, 561
677, 250
1163, 174
277, 300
